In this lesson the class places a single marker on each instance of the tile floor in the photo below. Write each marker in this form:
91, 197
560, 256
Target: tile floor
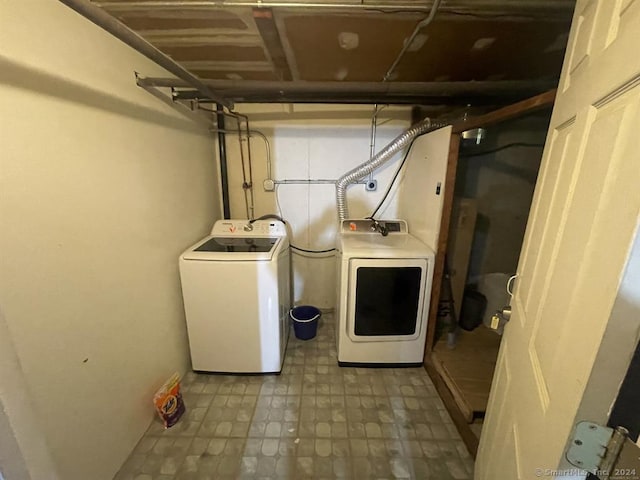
314, 421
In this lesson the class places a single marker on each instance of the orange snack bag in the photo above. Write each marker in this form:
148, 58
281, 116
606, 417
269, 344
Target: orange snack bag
168, 401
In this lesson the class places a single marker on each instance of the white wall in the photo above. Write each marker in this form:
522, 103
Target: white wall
324, 142
317, 142
418, 194
25, 453
102, 186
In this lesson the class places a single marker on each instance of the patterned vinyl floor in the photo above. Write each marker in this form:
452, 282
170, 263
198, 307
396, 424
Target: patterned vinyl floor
314, 421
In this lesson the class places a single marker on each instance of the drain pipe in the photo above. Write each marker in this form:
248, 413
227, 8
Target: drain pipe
419, 26
382, 157
222, 149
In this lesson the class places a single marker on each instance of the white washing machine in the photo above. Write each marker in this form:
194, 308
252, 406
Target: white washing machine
236, 286
383, 292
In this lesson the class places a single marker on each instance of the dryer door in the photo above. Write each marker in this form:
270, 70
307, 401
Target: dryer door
386, 299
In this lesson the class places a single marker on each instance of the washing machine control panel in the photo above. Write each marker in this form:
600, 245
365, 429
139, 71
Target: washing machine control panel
243, 228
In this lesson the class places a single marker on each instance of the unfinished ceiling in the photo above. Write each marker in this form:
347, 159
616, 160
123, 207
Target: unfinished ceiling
511, 48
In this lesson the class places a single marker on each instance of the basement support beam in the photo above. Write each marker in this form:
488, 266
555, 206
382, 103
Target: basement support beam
434, 88
544, 100
480, 7
197, 116
457, 93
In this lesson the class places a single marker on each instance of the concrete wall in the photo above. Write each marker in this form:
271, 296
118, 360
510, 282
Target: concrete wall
102, 186
503, 184
324, 142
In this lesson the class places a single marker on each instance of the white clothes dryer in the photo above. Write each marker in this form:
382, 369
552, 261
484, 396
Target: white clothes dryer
383, 293
236, 286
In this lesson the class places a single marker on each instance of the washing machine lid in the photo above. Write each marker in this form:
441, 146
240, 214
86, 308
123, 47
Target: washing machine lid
243, 248
239, 245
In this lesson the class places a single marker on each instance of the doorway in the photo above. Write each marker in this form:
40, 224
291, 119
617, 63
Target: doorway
491, 176
495, 179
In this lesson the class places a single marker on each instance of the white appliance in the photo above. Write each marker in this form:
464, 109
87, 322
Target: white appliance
236, 286
383, 291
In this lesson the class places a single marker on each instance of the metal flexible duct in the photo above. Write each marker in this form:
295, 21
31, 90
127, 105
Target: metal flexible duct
378, 160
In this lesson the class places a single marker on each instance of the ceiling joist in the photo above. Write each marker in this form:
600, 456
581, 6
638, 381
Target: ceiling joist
271, 38
475, 52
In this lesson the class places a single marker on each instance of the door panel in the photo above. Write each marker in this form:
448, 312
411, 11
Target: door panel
584, 216
551, 203
501, 387
584, 25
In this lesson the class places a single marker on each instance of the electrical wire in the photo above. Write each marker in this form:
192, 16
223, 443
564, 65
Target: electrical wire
374, 128
294, 247
419, 26
267, 147
393, 180
267, 217
314, 251
524, 16
406, 155
252, 133
278, 207
495, 15
503, 147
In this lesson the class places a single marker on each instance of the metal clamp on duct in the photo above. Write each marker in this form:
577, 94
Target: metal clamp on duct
382, 157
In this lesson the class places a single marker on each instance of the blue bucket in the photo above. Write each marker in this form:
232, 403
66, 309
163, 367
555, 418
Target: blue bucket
305, 321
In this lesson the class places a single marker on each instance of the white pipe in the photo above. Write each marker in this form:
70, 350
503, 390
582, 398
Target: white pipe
310, 181
120, 6
378, 160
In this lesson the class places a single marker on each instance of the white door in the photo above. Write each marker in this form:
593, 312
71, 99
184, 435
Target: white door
584, 216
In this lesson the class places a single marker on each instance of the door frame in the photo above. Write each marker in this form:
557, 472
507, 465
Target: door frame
519, 109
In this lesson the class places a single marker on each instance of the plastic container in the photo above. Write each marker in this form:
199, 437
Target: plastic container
474, 305
494, 287
305, 321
